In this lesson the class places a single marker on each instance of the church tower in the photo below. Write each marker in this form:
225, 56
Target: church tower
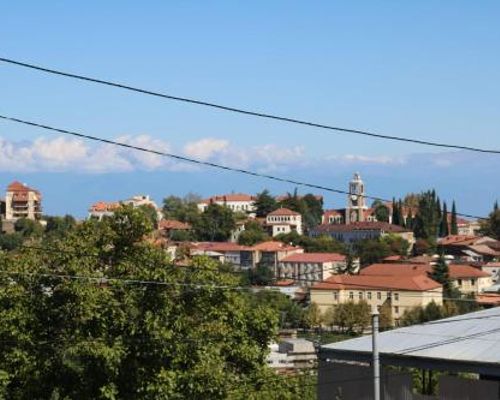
356, 202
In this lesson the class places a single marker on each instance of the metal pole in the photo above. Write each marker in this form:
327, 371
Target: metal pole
376, 363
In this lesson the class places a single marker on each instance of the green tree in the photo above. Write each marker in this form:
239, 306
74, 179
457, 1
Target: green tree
371, 251
454, 224
124, 336
312, 316
397, 245
381, 211
265, 203
57, 226
28, 228
491, 226
319, 244
352, 317
215, 224
261, 275
253, 234
396, 213
11, 241
441, 273
444, 227
385, 315
291, 314
182, 209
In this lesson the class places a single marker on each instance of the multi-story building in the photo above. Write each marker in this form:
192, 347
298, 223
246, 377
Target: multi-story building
357, 231
466, 278
401, 292
307, 268
21, 201
237, 202
283, 220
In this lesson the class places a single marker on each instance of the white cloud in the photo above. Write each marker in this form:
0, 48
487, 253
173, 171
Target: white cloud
206, 149
362, 159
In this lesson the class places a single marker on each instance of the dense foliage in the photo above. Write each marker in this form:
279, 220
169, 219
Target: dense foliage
114, 333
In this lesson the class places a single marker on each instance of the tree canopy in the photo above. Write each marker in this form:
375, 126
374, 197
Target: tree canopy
132, 325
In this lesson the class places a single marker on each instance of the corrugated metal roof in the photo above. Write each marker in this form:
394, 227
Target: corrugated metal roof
472, 338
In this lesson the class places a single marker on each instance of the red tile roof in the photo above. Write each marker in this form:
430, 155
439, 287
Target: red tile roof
488, 299
457, 239
20, 187
361, 226
274, 246
411, 283
456, 270
220, 247
102, 206
314, 257
393, 258
168, 224
282, 211
285, 282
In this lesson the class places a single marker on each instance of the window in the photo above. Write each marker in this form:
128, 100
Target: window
389, 295
336, 296
472, 281
459, 282
379, 295
396, 310
360, 295
396, 296
369, 295
351, 296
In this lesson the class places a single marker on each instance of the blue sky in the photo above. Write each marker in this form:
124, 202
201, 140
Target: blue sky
417, 69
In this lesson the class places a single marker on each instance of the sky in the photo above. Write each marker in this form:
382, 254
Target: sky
427, 70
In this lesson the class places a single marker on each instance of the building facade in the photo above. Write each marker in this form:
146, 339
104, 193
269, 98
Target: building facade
21, 201
308, 268
236, 202
400, 292
283, 221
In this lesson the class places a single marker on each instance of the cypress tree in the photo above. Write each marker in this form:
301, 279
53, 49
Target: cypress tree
401, 213
441, 273
495, 206
444, 228
454, 224
409, 219
395, 214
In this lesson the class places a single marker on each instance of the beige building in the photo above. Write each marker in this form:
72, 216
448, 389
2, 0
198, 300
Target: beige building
402, 292
283, 220
307, 268
237, 202
22, 201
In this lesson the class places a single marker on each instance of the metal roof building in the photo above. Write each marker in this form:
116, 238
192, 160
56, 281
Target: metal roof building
464, 343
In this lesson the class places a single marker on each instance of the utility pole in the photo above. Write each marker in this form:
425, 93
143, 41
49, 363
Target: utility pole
376, 362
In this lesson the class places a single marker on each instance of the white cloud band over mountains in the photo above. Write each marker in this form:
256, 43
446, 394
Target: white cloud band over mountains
63, 154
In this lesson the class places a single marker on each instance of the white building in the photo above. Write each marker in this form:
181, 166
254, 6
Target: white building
307, 268
237, 202
103, 209
285, 221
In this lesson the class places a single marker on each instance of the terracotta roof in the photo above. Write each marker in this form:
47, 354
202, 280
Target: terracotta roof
168, 224
457, 239
220, 247
285, 282
456, 270
488, 299
484, 250
393, 258
361, 226
282, 211
229, 197
314, 257
333, 213
17, 186
412, 282
423, 259
493, 264
102, 206
273, 246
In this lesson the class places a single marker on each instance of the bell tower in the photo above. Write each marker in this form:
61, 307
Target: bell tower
356, 202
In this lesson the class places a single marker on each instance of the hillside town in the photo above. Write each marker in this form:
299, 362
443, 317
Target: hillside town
324, 262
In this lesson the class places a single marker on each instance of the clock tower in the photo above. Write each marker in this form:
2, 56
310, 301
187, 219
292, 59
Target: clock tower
356, 202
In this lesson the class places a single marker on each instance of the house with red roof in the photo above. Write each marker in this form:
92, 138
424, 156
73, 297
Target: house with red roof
21, 201
466, 278
284, 220
307, 268
400, 292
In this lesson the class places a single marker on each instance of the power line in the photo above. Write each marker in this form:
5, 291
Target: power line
247, 112
198, 162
